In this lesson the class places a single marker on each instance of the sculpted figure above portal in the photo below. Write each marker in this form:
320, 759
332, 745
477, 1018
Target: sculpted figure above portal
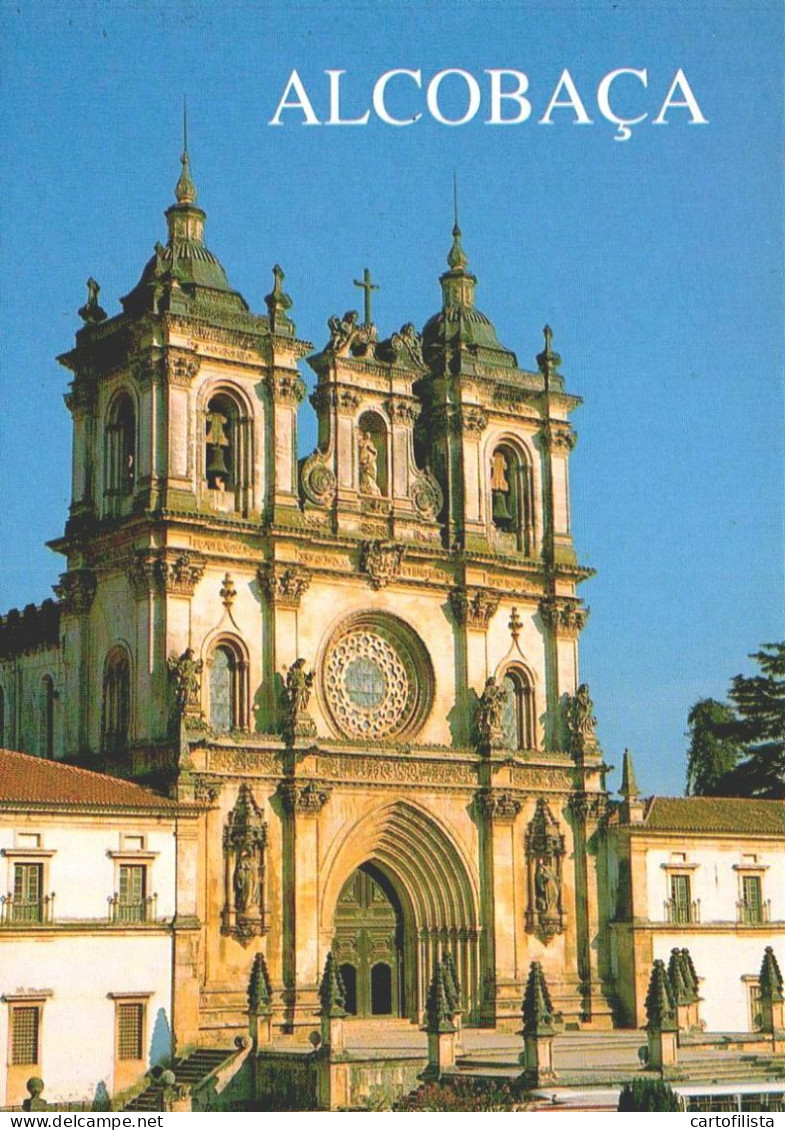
489, 718
185, 674
297, 694
581, 721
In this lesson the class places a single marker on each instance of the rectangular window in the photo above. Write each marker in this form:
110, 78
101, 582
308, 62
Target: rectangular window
680, 898
130, 1031
24, 1035
28, 885
133, 892
752, 900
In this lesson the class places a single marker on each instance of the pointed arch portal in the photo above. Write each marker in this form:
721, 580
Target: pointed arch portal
399, 894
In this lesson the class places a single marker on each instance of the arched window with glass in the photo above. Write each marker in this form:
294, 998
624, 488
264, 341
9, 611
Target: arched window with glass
228, 686
116, 711
519, 723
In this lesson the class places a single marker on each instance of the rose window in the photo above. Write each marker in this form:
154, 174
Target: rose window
376, 678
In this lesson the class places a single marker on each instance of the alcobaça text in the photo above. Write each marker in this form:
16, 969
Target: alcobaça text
455, 97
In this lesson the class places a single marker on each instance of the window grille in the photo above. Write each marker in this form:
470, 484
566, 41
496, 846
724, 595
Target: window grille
24, 1035
130, 1024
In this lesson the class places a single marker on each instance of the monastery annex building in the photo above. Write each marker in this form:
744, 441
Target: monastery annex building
295, 707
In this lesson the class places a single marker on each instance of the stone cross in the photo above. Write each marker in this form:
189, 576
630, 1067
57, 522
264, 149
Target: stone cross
366, 286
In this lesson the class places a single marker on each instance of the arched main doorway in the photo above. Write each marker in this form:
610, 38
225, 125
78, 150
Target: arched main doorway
426, 893
368, 944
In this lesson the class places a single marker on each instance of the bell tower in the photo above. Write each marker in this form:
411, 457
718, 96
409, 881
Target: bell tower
184, 409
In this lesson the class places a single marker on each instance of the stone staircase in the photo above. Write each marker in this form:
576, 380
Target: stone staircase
189, 1071
725, 1069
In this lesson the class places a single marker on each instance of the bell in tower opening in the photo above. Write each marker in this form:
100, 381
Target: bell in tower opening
219, 447
501, 493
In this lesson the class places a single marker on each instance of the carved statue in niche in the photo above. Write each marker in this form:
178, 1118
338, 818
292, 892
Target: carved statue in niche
581, 721
544, 856
185, 673
546, 886
368, 458
297, 694
244, 841
246, 881
489, 718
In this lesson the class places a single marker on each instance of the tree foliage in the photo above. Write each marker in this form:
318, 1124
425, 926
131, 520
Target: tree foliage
647, 1094
739, 749
710, 757
465, 1095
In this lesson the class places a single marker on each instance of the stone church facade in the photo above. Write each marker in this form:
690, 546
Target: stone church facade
361, 666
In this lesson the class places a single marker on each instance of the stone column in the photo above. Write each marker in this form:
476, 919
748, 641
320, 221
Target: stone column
288, 391
186, 977
588, 810
283, 583
472, 607
76, 592
469, 423
497, 812
81, 403
302, 801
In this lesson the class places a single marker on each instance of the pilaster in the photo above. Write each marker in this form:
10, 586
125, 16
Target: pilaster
496, 813
302, 801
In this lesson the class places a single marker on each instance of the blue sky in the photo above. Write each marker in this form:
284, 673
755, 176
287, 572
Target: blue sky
657, 260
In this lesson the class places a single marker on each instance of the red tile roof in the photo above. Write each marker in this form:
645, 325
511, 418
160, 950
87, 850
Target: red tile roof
36, 781
722, 815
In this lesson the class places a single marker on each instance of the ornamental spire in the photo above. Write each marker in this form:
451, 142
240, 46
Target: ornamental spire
457, 258
629, 787
185, 189
457, 283
185, 218
660, 1001
771, 983
438, 1012
332, 992
537, 1008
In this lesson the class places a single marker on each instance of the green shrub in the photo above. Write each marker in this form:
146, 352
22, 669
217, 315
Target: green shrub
456, 1094
648, 1094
